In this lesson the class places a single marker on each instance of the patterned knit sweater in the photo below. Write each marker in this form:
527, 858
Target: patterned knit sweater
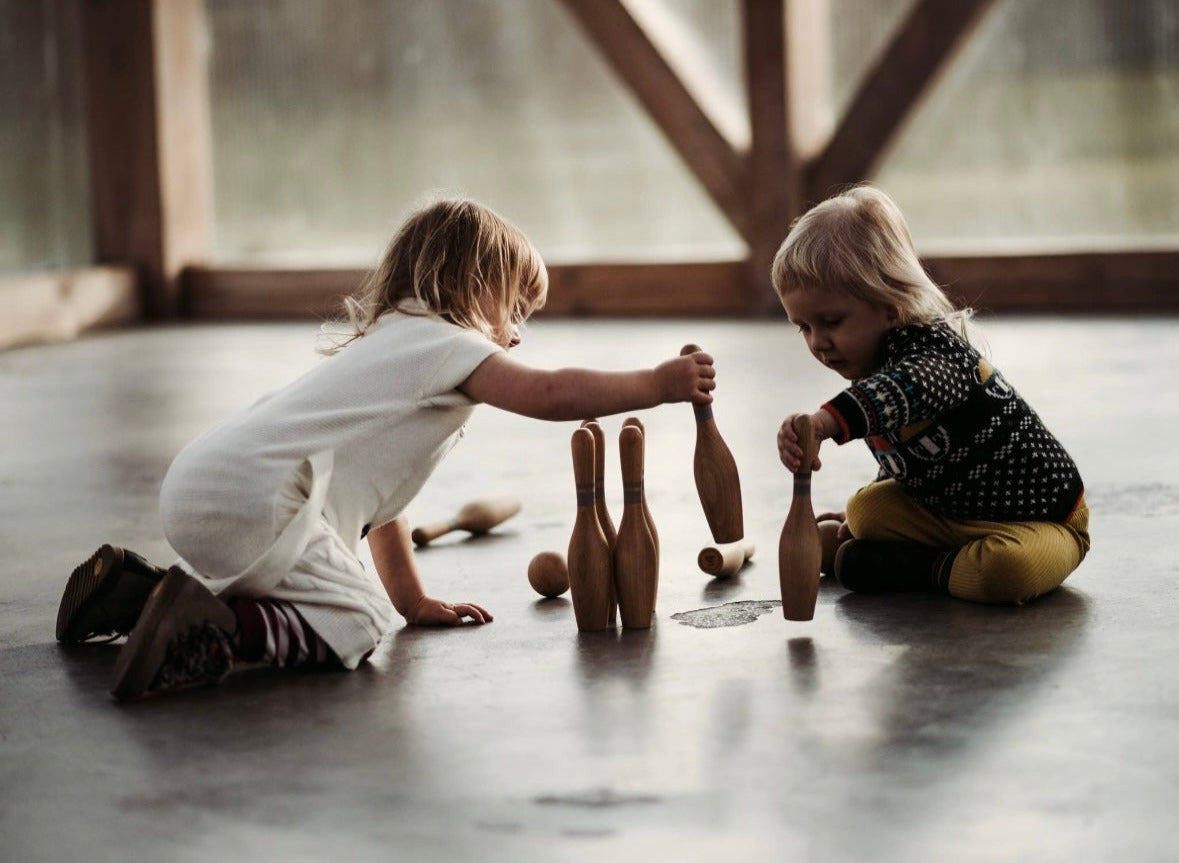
944, 423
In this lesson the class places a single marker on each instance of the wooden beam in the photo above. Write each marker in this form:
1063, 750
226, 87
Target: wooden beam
707, 153
891, 89
148, 146
704, 289
266, 294
121, 130
1083, 282
692, 289
775, 171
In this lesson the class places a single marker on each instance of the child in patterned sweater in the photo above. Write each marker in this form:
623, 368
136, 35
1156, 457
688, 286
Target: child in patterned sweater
974, 496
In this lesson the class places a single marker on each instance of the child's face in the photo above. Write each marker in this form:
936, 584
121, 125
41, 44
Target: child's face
509, 336
843, 332
506, 333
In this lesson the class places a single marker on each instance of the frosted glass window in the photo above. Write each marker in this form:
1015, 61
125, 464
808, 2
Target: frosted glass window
44, 199
331, 120
1056, 129
859, 30
702, 41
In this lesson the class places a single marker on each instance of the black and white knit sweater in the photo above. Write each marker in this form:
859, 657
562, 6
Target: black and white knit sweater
944, 423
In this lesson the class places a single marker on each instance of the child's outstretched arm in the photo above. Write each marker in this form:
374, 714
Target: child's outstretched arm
571, 394
393, 557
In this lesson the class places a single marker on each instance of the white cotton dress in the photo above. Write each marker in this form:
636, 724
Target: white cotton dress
273, 502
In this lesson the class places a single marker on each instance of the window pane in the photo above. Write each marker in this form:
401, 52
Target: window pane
1057, 128
331, 120
44, 200
701, 40
860, 30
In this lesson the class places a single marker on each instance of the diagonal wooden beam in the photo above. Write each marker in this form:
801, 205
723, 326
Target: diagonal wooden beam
920, 47
638, 62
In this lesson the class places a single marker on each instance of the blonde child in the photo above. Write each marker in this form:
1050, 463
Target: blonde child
266, 509
974, 496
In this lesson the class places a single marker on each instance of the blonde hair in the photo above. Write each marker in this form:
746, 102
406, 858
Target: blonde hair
858, 242
459, 260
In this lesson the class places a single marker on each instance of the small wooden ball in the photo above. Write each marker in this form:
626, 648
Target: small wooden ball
548, 574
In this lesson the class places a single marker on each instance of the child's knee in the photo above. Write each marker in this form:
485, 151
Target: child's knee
867, 512
1006, 574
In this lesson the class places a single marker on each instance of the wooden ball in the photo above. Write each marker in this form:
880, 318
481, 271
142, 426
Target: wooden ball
548, 574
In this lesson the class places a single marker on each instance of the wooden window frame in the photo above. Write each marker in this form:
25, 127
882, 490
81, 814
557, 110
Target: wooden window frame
149, 148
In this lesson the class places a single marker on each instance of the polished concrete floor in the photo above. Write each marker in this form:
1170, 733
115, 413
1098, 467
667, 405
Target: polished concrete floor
887, 729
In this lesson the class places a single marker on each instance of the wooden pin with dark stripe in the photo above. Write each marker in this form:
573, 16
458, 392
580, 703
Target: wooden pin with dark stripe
799, 549
591, 576
636, 561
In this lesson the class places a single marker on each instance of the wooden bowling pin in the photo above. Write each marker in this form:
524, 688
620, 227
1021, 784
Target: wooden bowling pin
591, 569
636, 564
724, 559
604, 519
799, 548
476, 517
637, 423
717, 481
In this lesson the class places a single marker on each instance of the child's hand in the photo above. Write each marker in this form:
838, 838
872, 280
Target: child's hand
688, 378
837, 518
435, 612
789, 449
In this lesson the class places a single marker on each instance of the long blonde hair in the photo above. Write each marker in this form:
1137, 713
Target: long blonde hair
458, 259
858, 242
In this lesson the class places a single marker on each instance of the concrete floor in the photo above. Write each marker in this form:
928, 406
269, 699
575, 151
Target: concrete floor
887, 729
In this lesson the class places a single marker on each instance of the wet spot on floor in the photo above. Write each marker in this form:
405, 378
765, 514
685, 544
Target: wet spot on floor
729, 614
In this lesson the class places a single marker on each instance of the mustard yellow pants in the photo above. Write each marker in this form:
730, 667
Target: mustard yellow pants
996, 562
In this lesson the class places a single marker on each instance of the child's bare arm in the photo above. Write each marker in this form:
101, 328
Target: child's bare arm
392, 552
570, 394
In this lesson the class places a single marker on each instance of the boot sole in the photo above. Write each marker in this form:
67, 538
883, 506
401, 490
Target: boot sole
91, 580
176, 605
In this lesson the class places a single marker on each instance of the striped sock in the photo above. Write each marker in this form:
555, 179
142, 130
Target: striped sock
271, 630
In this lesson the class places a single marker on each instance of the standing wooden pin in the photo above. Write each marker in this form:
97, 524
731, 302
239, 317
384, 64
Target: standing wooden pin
636, 563
637, 423
604, 519
477, 517
717, 481
799, 549
591, 576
